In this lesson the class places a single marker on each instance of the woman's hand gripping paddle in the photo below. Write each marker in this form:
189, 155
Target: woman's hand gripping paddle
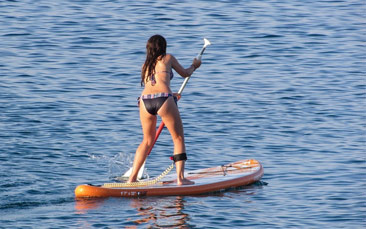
161, 127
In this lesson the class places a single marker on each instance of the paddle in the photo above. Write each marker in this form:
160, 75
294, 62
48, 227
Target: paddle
161, 127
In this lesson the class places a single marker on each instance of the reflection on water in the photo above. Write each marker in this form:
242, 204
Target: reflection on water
82, 205
164, 211
156, 211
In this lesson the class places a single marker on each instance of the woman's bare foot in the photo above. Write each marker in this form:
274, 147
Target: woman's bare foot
184, 181
131, 180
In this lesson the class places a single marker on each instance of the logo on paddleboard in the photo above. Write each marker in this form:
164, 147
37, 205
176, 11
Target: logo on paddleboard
133, 193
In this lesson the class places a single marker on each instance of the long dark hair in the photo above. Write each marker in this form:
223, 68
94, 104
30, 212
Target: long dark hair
155, 48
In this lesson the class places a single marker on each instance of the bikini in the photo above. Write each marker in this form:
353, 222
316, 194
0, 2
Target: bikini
153, 102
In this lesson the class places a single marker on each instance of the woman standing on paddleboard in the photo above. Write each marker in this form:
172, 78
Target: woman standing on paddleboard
158, 99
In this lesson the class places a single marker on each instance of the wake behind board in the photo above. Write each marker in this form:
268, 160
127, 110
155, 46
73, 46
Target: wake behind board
206, 180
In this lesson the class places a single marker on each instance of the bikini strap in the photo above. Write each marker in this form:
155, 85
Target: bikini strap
153, 77
164, 72
153, 80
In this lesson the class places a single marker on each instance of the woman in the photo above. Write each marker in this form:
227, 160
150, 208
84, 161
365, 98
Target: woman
157, 99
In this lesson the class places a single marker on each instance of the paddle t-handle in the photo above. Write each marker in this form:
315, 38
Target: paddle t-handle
207, 43
199, 57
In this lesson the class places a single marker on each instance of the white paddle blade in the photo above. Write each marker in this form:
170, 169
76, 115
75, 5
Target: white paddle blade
128, 173
139, 175
141, 172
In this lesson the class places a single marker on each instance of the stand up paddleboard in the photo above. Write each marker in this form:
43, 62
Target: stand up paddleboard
207, 180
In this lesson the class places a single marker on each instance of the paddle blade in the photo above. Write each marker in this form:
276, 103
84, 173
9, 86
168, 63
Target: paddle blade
129, 172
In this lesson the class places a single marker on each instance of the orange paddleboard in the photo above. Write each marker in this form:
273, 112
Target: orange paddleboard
207, 180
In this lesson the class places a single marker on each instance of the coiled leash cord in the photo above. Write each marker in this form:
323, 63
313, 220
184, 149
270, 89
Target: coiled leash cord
175, 158
140, 183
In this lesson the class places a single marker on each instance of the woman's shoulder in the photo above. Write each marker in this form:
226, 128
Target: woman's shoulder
168, 56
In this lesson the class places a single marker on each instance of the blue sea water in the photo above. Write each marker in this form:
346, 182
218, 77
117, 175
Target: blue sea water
283, 82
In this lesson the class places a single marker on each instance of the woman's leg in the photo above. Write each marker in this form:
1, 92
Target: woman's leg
169, 114
148, 123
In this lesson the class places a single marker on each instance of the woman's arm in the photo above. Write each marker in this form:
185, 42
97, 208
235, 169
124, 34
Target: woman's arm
185, 72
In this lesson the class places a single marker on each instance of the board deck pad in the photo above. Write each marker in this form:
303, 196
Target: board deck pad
240, 173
